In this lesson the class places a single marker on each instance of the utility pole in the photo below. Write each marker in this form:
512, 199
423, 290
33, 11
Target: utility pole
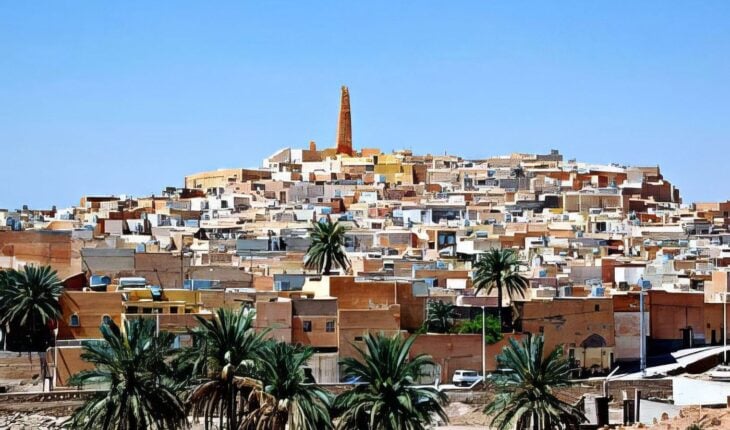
55, 357
182, 266
484, 344
642, 330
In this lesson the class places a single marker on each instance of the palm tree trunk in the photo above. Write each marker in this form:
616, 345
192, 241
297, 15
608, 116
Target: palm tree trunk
327, 267
221, 413
32, 333
282, 421
232, 408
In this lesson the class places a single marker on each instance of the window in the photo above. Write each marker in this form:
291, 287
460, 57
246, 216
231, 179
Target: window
106, 319
597, 308
330, 326
132, 310
358, 338
173, 310
542, 329
307, 326
74, 321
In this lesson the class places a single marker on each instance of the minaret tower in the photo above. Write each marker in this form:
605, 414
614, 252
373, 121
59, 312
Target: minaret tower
344, 124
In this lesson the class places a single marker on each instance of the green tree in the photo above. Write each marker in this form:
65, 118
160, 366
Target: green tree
525, 393
492, 332
134, 366
29, 302
499, 269
440, 316
327, 249
287, 399
387, 398
223, 366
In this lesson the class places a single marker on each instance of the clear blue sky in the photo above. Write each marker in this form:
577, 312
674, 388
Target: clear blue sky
128, 97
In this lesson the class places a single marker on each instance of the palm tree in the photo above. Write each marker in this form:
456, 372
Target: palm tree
133, 364
440, 316
223, 365
525, 395
286, 398
498, 269
327, 248
29, 302
387, 397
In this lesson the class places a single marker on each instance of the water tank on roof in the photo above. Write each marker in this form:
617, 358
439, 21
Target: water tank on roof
543, 273
597, 291
97, 280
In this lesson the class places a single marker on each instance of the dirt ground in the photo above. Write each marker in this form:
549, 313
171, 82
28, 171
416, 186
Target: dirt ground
462, 417
706, 418
462, 414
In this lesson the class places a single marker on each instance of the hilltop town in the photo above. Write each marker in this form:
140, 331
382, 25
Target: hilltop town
600, 245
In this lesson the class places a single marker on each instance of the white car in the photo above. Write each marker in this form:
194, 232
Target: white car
465, 378
720, 373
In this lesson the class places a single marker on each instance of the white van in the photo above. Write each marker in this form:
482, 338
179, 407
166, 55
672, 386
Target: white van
465, 378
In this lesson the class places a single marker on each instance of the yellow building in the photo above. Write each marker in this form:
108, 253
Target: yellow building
393, 170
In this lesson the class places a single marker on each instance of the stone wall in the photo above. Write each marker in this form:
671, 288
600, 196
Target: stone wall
18, 366
54, 248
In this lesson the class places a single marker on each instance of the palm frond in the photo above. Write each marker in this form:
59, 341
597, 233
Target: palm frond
134, 365
327, 248
387, 398
525, 394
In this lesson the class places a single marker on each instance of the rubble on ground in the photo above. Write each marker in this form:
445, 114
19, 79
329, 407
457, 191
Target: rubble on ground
18, 421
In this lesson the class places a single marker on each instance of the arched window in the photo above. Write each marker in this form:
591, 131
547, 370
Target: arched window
106, 319
74, 321
593, 341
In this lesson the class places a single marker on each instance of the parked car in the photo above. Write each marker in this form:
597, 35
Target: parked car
465, 378
502, 371
720, 373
